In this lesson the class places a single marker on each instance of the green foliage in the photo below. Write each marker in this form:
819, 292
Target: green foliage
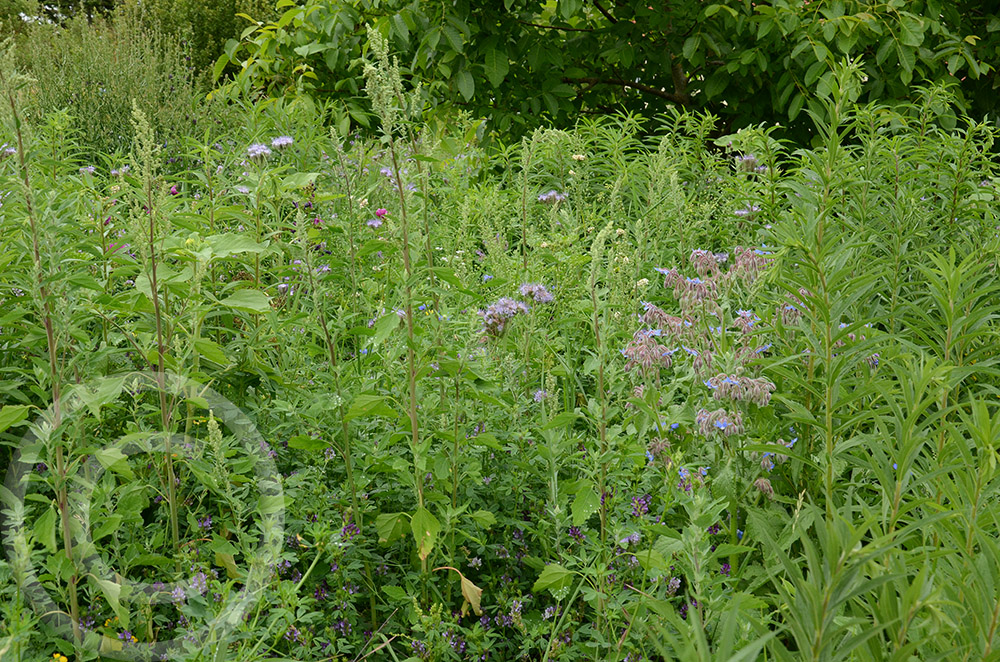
522, 63
204, 26
623, 389
92, 71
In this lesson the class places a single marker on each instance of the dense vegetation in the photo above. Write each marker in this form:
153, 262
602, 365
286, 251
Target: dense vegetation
639, 388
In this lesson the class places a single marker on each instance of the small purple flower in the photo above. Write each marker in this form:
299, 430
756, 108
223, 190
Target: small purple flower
349, 531
374, 223
173, 190
551, 197
540, 395
205, 524
282, 141
537, 292
258, 151
381, 212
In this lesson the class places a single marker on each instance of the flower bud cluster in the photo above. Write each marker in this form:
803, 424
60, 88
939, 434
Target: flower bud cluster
719, 422
645, 351
739, 388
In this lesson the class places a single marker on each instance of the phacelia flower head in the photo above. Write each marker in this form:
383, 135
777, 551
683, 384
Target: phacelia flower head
258, 151
497, 315
551, 197
537, 292
282, 141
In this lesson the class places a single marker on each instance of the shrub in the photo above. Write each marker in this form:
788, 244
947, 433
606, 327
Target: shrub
95, 70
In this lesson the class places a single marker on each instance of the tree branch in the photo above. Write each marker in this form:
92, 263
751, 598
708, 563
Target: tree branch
681, 98
604, 11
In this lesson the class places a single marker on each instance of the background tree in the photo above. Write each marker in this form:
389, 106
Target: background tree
525, 62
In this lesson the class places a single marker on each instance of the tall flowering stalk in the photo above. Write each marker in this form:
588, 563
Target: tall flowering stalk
384, 87
9, 82
146, 149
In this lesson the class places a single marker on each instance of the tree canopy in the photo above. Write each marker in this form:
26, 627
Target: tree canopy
523, 62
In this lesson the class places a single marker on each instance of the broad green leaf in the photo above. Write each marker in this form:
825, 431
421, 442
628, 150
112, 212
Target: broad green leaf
115, 460
365, 405
209, 349
554, 577
307, 443
391, 526
425, 528
45, 529
253, 301
385, 326
229, 563
224, 245
483, 518
299, 180
497, 66
112, 592
651, 559
396, 593
11, 415
100, 394
106, 527
585, 504
466, 84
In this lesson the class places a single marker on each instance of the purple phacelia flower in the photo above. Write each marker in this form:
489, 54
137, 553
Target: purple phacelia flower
258, 151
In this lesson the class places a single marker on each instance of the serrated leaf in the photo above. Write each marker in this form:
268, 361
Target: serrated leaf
466, 84
497, 66
483, 518
395, 593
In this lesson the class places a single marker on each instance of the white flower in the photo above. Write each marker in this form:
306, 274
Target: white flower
579, 157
